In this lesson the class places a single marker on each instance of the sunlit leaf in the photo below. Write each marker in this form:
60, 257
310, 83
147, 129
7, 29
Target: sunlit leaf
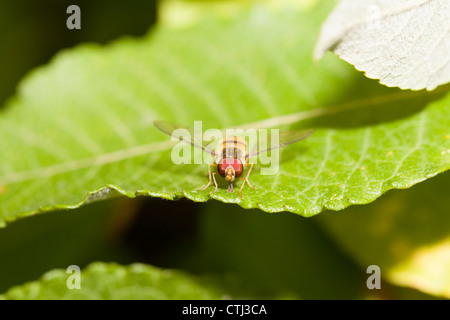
81, 128
404, 43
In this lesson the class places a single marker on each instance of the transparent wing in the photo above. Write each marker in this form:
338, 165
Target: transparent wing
194, 138
285, 138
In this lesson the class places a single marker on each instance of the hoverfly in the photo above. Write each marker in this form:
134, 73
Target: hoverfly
232, 155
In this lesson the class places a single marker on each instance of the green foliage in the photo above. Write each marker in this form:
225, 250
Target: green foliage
32, 246
405, 233
80, 129
274, 251
112, 281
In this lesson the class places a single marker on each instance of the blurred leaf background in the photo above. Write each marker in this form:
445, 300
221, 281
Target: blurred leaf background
405, 232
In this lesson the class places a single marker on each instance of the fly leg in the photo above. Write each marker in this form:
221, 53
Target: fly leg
211, 177
215, 183
246, 179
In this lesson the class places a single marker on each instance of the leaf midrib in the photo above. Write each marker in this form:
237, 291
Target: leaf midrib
135, 151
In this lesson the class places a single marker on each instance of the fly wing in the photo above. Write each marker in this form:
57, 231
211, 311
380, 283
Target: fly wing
194, 138
285, 138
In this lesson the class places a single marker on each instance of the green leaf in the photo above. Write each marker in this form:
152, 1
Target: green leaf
80, 129
406, 234
116, 282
